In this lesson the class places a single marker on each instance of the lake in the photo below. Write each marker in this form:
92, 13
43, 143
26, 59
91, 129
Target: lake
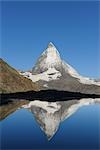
81, 130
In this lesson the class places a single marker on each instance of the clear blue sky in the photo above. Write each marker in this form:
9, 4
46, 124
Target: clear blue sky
27, 27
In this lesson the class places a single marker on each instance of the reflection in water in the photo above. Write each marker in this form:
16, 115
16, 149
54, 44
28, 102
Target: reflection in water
10, 107
49, 115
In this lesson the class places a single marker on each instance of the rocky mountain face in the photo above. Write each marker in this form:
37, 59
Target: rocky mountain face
11, 81
51, 72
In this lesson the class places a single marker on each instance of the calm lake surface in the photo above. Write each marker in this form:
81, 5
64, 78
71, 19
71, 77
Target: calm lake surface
80, 131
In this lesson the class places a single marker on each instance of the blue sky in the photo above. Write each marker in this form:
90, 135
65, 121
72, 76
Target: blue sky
28, 27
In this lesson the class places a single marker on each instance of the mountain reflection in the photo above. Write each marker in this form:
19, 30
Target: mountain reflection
49, 115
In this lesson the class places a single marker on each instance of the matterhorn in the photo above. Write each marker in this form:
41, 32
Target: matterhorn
52, 73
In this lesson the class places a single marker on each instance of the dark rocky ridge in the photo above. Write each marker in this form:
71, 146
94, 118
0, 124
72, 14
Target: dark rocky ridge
46, 95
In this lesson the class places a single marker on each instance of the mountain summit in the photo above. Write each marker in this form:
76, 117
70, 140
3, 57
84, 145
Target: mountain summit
50, 58
50, 45
52, 73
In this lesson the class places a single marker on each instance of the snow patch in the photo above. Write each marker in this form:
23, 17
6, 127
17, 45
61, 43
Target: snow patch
86, 80
49, 107
45, 85
50, 74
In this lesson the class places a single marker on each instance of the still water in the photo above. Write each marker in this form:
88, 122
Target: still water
81, 131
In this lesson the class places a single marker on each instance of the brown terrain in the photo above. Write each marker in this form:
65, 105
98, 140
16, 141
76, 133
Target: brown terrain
11, 81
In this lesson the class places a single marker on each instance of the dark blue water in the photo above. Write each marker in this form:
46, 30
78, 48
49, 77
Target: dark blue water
80, 131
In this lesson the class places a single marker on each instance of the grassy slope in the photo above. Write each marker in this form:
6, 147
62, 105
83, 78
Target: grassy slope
11, 81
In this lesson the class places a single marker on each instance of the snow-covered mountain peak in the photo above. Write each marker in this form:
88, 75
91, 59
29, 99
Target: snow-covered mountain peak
50, 45
50, 67
52, 55
51, 50
50, 58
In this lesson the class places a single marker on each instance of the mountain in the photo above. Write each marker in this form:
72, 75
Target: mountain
51, 72
11, 81
50, 61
